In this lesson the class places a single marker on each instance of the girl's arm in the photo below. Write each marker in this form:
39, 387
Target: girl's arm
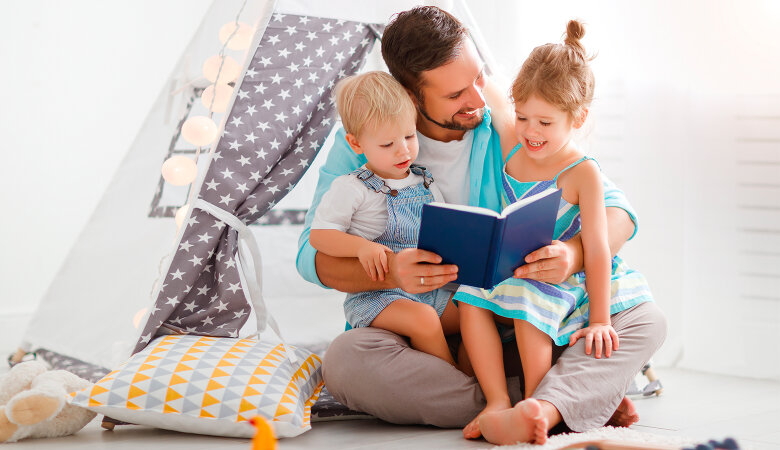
372, 256
597, 259
557, 262
502, 114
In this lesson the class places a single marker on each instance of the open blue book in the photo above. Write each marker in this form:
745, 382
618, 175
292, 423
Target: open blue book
487, 246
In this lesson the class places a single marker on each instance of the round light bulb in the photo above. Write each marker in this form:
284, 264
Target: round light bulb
220, 101
199, 130
179, 170
181, 214
240, 40
138, 317
230, 69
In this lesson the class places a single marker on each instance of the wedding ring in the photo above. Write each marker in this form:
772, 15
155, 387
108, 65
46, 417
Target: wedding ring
422, 281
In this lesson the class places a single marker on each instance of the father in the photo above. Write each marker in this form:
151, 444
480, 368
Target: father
376, 371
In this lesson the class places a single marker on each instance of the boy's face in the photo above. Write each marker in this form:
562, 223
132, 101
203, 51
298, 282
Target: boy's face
390, 148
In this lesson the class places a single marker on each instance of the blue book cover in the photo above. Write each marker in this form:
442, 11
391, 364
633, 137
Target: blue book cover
487, 246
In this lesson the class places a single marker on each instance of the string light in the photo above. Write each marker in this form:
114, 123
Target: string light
221, 69
237, 27
181, 214
138, 316
242, 35
199, 130
179, 170
217, 103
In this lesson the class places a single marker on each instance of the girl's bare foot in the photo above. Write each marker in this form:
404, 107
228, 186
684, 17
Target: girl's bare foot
625, 414
523, 423
472, 430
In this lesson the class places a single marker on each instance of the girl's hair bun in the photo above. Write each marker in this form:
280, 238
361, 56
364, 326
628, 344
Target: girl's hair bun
558, 73
575, 30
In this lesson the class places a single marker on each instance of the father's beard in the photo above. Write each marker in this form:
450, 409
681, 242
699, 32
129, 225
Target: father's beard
453, 124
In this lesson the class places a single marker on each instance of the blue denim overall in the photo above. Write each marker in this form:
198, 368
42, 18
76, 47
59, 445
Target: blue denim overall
404, 211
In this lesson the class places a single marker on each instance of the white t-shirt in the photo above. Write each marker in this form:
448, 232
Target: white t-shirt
448, 162
351, 207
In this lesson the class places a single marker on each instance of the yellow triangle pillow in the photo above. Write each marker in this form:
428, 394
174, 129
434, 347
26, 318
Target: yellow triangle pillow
209, 385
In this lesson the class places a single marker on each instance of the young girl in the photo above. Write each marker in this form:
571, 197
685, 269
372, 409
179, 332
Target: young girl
551, 97
377, 209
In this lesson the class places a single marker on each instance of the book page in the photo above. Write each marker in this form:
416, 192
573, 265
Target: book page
528, 200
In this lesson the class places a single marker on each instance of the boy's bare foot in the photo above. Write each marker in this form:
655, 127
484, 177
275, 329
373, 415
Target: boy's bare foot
625, 414
472, 431
523, 423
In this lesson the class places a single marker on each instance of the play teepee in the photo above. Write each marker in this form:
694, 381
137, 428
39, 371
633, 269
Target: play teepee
131, 277
275, 127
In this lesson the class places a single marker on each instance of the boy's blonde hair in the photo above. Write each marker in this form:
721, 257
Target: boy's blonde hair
370, 99
558, 73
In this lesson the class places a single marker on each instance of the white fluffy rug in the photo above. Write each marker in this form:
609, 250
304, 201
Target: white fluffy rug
623, 434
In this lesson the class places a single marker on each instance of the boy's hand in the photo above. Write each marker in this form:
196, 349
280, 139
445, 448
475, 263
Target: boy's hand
604, 336
373, 258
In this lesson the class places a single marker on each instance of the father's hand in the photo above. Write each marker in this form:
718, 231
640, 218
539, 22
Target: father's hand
411, 266
552, 264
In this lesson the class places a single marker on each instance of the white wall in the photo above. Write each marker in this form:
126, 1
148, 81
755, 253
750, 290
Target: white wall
687, 111
77, 81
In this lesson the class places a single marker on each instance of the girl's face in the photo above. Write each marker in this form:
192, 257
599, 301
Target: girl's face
543, 129
390, 148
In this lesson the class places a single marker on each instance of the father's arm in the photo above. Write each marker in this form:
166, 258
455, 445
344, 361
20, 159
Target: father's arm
407, 268
557, 262
346, 274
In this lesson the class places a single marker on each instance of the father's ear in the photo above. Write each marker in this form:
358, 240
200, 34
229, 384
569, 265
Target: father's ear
353, 143
413, 97
579, 121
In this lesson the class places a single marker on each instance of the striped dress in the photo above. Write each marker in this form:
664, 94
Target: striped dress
556, 309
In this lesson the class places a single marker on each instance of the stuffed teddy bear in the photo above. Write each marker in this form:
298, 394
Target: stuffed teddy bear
34, 403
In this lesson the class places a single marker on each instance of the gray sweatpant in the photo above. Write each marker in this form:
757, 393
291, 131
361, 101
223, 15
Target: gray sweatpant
377, 372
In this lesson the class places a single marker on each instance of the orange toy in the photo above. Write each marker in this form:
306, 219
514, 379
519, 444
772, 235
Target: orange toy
264, 438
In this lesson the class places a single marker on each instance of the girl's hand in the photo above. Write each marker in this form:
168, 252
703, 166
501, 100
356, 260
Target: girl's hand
373, 258
551, 264
602, 334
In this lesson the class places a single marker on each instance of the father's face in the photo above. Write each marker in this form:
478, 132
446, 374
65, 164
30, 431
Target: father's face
452, 94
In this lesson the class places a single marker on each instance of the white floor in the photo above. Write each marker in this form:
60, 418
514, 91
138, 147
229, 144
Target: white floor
697, 405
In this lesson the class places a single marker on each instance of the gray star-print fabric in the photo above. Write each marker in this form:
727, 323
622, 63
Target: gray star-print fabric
280, 118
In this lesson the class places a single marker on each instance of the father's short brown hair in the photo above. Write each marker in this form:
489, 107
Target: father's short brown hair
420, 39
